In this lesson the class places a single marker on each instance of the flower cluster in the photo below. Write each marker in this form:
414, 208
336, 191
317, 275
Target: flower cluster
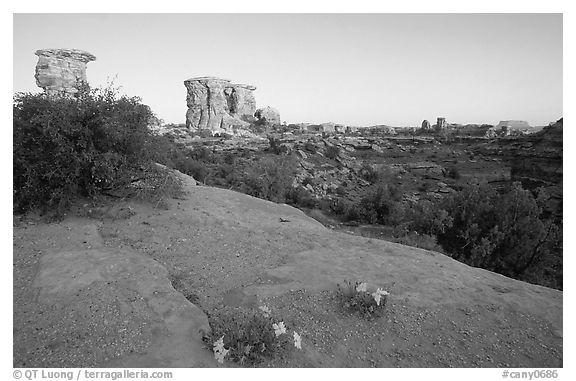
251, 336
359, 297
378, 294
219, 351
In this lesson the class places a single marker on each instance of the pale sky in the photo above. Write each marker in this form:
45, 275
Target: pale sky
355, 69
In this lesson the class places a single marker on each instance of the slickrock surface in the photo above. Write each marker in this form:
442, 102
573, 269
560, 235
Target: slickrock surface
96, 292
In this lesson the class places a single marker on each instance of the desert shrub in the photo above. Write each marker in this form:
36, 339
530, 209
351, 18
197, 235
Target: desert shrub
453, 173
382, 205
269, 178
249, 337
204, 154
192, 167
308, 181
64, 148
359, 298
156, 184
310, 147
162, 149
301, 198
427, 217
506, 233
368, 173
347, 210
276, 147
341, 190
424, 187
332, 152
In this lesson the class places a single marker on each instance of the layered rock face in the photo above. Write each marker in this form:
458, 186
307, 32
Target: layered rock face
62, 71
218, 105
271, 116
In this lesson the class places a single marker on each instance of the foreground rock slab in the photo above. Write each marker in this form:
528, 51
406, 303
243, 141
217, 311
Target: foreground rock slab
231, 250
101, 307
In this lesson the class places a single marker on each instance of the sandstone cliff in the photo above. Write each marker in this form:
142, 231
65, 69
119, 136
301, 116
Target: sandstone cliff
218, 105
62, 71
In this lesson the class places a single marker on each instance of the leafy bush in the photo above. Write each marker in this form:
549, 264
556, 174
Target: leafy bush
368, 173
382, 205
300, 197
194, 168
248, 336
358, 298
70, 147
310, 147
453, 173
276, 147
428, 218
156, 183
502, 233
269, 178
346, 209
332, 152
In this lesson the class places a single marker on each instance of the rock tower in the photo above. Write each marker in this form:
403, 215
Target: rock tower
440, 124
62, 71
218, 105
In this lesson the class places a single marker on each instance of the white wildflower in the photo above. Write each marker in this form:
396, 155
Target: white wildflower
279, 328
362, 287
265, 311
219, 351
379, 293
297, 340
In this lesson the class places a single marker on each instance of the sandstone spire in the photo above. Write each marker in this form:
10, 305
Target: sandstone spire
61, 71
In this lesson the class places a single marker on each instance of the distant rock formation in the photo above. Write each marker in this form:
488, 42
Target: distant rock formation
426, 125
62, 71
440, 124
513, 124
217, 105
268, 115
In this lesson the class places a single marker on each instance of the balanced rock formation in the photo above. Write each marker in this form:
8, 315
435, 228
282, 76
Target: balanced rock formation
270, 116
62, 71
218, 105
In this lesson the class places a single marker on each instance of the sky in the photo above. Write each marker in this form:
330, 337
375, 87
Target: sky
354, 69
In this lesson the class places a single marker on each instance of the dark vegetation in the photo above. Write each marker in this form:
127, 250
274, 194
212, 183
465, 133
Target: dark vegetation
98, 142
508, 231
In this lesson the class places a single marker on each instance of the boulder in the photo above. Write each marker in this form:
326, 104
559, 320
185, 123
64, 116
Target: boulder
268, 115
62, 71
217, 105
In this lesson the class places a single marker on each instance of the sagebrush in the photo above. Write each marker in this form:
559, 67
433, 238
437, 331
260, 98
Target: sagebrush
70, 147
